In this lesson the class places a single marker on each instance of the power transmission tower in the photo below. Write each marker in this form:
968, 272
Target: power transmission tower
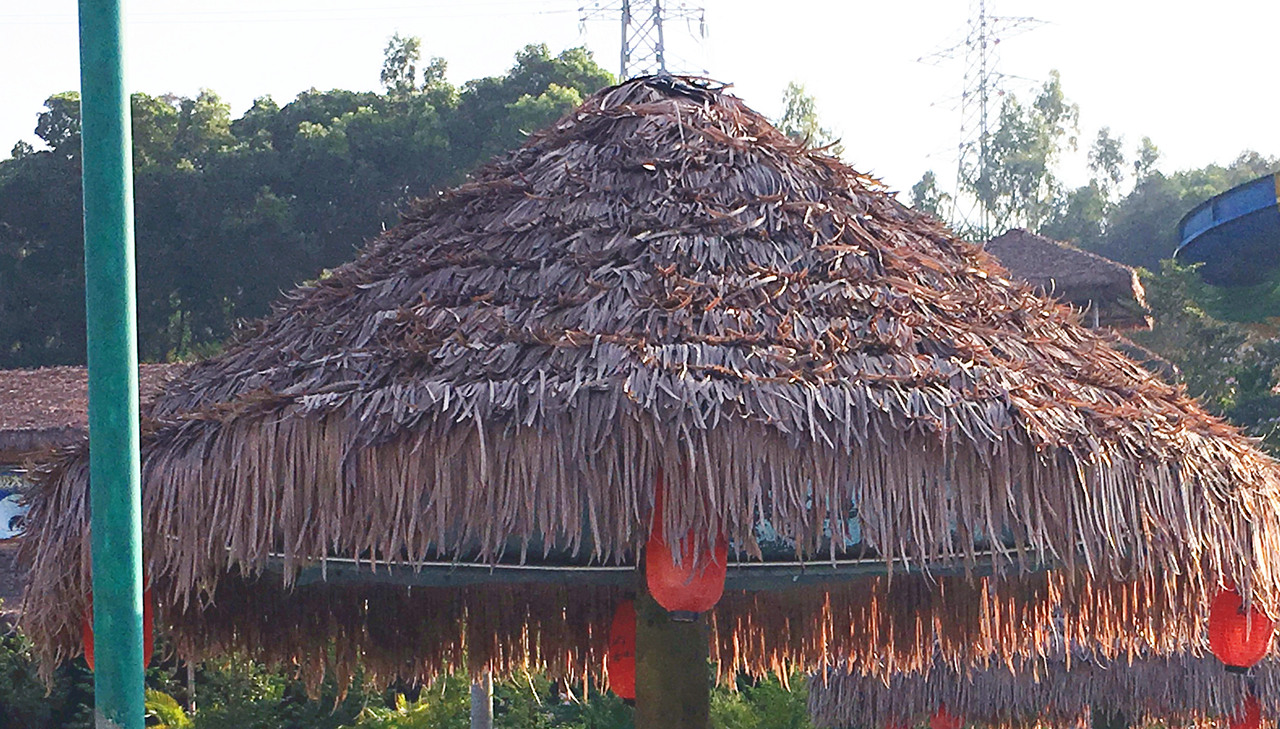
643, 32
982, 83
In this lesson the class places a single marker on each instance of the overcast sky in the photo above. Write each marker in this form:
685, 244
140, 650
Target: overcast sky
1199, 79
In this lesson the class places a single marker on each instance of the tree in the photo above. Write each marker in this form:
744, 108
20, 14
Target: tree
1080, 218
1144, 163
1233, 371
1019, 186
400, 64
1106, 161
800, 120
1142, 228
927, 198
59, 124
230, 212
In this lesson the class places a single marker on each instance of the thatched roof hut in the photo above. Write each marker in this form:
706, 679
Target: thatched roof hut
1177, 689
40, 410
662, 282
46, 408
1109, 293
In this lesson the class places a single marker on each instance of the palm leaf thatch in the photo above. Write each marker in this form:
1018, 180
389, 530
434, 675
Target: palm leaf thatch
1179, 689
662, 283
1109, 292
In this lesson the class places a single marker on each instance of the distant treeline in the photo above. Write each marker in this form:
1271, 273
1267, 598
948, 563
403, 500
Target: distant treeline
230, 212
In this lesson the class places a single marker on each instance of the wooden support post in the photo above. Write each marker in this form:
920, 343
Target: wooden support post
482, 702
673, 678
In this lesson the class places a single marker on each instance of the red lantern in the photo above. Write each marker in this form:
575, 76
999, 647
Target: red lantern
621, 659
148, 639
1239, 637
1249, 716
943, 719
691, 587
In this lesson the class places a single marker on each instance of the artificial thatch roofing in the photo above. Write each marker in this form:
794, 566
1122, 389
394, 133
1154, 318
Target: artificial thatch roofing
664, 283
1173, 690
47, 408
1109, 292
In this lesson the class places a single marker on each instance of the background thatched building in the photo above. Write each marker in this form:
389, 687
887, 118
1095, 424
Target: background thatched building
41, 410
663, 283
1175, 690
1109, 293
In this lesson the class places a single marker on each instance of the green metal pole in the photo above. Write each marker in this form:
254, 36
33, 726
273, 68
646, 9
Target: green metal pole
113, 370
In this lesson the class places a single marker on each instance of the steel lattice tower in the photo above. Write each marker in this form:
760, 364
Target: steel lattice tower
982, 83
643, 37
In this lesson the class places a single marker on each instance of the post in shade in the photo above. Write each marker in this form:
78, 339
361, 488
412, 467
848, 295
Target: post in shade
1238, 636
621, 659
111, 323
695, 584
1248, 716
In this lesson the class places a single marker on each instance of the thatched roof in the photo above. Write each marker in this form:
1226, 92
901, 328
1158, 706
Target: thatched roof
47, 408
1172, 690
1109, 292
662, 283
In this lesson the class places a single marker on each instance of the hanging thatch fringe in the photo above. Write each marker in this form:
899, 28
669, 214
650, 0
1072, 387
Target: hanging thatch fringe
392, 632
1175, 690
907, 624
663, 282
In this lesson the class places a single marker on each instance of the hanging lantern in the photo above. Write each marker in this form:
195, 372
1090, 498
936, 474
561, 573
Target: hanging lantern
148, 638
621, 659
1239, 637
695, 584
1249, 715
943, 719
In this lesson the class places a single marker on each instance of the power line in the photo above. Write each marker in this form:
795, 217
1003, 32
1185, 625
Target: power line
643, 32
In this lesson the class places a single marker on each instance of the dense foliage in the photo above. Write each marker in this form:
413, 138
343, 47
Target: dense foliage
235, 693
230, 212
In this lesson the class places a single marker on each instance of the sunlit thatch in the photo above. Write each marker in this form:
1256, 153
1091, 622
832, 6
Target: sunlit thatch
1182, 689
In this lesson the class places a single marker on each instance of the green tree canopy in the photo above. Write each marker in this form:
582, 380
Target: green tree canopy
800, 121
231, 211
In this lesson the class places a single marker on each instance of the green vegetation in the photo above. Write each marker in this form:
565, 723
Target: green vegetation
289, 190
236, 693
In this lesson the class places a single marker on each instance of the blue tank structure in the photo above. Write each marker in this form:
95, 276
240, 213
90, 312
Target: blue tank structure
1236, 234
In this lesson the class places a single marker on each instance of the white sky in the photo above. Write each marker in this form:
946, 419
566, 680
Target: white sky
1199, 78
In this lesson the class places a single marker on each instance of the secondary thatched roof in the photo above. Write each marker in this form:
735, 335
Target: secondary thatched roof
47, 408
1109, 292
663, 282
1180, 689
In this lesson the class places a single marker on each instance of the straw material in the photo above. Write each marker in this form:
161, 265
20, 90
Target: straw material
1181, 689
1106, 289
46, 408
392, 632
664, 283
